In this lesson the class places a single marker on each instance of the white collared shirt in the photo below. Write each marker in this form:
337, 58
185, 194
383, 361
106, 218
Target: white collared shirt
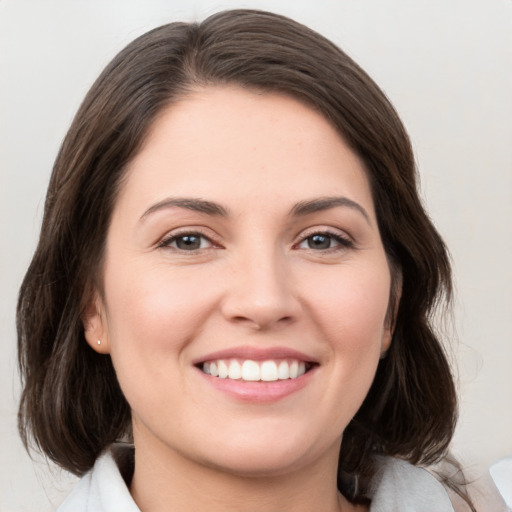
398, 487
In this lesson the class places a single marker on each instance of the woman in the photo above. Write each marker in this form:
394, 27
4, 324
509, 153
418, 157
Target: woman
236, 274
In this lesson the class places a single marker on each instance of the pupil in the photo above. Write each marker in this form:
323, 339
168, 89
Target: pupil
319, 242
188, 242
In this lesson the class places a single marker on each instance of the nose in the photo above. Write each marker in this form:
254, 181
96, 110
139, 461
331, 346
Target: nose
261, 292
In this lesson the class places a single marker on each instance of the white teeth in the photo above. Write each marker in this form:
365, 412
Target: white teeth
249, 370
284, 370
269, 371
223, 369
235, 370
294, 370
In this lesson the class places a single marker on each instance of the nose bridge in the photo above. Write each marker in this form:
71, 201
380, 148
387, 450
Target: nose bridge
261, 290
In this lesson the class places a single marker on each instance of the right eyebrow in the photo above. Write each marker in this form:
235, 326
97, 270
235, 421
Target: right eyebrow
195, 204
326, 203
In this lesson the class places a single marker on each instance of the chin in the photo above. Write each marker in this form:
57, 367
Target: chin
264, 458
257, 464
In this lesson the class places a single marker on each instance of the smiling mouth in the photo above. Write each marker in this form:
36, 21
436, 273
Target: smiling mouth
252, 371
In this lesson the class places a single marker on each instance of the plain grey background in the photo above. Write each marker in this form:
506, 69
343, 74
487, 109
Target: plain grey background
445, 64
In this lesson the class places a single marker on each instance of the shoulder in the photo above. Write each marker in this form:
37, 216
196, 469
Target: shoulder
104, 489
500, 474
399, 486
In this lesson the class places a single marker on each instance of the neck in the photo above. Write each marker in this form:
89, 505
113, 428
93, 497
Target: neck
164, 479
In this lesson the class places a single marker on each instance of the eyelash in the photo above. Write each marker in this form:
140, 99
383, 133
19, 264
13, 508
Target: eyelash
167, 241
342, 241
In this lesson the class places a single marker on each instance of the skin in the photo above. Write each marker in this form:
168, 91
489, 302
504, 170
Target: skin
254, 281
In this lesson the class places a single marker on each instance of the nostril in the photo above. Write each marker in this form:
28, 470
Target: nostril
261, 321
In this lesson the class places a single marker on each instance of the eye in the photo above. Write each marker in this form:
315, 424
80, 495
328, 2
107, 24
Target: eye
187, 242
324, 241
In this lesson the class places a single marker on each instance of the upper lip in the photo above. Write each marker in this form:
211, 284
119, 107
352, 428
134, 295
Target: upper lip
256, 354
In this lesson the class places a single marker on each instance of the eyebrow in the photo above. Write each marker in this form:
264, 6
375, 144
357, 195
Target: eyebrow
326, 203
198, 205
300, 209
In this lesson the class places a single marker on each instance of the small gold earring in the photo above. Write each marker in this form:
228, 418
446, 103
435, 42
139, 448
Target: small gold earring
99, 342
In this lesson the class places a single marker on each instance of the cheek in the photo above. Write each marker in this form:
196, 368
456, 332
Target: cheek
350, 312
348, 306
153, 317
352, 306
156, 309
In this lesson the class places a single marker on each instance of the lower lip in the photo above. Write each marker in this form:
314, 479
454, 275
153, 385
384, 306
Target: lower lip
260, 391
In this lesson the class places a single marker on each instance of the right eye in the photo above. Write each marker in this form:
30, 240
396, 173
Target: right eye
189, 242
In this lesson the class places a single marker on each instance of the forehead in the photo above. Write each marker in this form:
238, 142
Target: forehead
227, 142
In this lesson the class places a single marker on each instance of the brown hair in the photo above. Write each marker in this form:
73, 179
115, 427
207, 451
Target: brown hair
72, 406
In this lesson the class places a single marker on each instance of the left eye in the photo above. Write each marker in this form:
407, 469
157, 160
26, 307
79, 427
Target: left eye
188, 242
323, 241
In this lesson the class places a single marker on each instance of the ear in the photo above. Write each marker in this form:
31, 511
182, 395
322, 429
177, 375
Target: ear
95, 324
395, 296
387, 336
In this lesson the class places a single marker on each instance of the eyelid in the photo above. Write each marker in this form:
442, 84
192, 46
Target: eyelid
173, 235
341, 237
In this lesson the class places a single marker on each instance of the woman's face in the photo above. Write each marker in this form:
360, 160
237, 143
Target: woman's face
245, 285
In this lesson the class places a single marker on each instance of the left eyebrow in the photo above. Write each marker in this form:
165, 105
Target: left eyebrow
198, 205
326, 203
